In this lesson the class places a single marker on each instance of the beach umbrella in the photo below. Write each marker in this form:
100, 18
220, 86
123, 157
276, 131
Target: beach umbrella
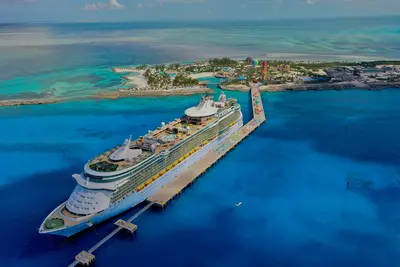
255, 62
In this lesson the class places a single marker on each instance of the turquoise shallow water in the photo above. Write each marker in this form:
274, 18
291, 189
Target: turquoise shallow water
290, 175
76, 59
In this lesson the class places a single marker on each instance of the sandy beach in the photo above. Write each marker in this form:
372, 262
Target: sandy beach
201, 75
138, 81
128, 93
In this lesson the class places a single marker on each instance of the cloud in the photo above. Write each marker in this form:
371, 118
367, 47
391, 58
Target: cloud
181, 1
160, 3
260, 2
112, 4
312, 2
96, 6
17, 1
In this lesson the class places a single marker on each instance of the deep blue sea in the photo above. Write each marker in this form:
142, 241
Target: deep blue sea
290, 174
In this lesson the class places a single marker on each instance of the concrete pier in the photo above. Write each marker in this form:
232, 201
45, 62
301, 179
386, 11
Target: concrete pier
110, 235
130, 227
85, 258
187, 177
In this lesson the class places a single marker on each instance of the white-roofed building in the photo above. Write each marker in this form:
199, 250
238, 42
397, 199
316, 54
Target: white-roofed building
206, 108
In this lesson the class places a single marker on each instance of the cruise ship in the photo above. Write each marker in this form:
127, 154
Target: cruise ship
126, 175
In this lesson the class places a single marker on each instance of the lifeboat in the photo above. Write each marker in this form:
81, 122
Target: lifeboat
148, 182
140, 187
162, 172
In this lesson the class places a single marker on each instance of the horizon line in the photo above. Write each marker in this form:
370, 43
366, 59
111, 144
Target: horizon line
207, 20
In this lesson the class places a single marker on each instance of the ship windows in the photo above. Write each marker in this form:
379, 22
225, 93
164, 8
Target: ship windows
145, 172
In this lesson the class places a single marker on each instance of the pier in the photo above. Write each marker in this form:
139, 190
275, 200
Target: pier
108, 237
188, 176
130, 227
85, 258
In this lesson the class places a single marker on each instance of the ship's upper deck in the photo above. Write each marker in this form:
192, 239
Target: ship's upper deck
121, 158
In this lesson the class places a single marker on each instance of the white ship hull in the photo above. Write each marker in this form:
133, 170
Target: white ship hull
138, 197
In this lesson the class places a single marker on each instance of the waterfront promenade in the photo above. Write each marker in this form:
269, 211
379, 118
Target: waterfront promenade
187, 177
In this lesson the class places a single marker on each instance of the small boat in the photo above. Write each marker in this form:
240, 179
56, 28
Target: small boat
238, 204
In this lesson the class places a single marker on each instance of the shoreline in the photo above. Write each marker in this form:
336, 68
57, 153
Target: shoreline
314, 87
201, 75
131, 93
123, 93
108, 95
23, 102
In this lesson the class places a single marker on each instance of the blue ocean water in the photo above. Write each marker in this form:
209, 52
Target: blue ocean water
290, 175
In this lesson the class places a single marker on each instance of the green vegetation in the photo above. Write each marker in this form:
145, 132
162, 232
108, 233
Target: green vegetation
142, 67
158, 80
197, 69
330, 64
53, 223
174, 66
103, 166
299, 65
279, 71
380, 62
160, 67
223, 62
184, 80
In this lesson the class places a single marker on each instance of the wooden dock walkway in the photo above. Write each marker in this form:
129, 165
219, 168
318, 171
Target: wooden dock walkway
110, 235
187, 177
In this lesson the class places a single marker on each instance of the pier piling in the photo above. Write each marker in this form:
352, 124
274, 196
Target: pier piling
85, 258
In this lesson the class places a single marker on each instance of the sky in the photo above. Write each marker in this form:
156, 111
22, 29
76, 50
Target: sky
132, 10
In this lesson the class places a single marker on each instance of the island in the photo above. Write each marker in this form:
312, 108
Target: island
273, 76
236, 75
162, 80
